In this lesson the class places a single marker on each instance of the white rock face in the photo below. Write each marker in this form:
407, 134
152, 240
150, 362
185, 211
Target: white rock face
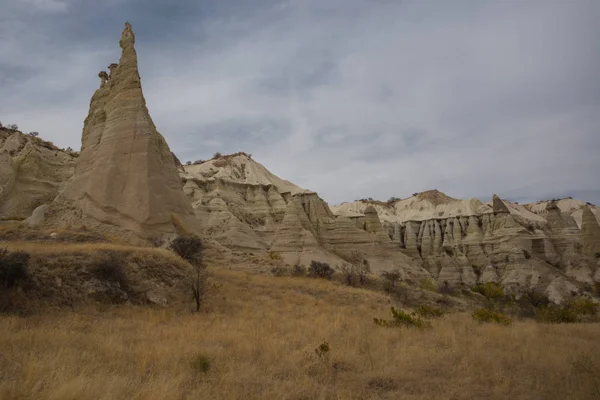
466, 241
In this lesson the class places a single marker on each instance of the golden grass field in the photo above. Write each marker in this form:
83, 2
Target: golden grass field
256, 339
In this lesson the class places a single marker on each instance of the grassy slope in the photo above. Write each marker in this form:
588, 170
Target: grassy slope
260, 332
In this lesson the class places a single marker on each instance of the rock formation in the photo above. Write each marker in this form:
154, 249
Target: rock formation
32, 173
245, 207
466, 241
590, 231
126, 175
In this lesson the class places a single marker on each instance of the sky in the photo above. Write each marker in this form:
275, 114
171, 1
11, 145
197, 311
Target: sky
349, 98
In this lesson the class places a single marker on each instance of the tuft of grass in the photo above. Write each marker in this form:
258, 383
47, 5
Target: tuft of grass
426, 311
273, 255
428, 284
489, 315
402, 318
200, 364
489, 290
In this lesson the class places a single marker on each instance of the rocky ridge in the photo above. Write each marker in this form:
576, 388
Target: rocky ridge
468, 242
127, 181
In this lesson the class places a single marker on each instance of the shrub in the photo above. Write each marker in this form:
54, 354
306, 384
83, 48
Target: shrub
358, 268
402, 318
200, 363
428, 284
273, 255
188, 247
278, 271
320, 270
489, 290
429, 311
110, 268
535, 298
390, 278
13, 127
217, 155
556, 315
298, 270
570, 312
13, 268
489, 315
583, 306
445, 289
34, 134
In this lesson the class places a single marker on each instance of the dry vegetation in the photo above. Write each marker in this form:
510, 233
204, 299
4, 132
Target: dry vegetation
264, 337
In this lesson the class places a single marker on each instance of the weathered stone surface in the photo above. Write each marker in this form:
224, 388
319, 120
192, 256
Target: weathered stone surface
498, 205
32, 172
126, 176
590, 232
38, 216
518, 246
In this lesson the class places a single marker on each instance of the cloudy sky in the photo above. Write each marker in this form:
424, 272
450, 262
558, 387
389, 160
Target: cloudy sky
350, 98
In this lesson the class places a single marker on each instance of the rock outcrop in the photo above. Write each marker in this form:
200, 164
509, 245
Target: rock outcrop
590, 231
125, 176
32, 173
463, 242
239, 203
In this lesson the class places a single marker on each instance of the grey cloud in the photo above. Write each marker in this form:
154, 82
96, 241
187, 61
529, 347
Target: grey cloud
349, 98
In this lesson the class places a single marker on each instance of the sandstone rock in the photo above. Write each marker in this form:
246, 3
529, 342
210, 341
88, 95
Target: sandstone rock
32, 173
560, 290
38, 216
126, 176
590, 232
498, 205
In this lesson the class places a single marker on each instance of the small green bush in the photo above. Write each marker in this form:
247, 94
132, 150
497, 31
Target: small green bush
489, 315
583, 306
200, 363
273, 255
556, 315
429, 312
428, 284
320, 270
402, 318
489, 290
570, 312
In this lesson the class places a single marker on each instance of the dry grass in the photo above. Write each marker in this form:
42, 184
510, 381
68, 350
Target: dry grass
256, 339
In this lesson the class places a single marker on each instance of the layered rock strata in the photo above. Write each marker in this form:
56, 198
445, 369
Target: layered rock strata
32, 173
498, 241
126, 176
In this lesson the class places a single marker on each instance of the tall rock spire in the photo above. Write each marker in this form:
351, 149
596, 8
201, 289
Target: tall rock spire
125, 175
